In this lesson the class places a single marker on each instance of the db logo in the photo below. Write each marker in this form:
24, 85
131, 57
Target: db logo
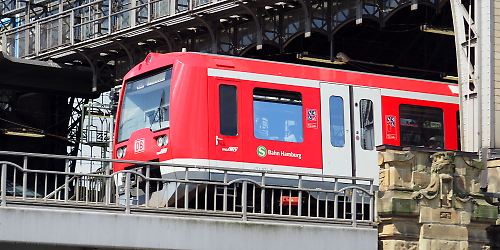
139, 145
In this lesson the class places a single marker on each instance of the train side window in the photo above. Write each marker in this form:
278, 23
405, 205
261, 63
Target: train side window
367, 126
421, 126
337, 137
277, 115
228, 108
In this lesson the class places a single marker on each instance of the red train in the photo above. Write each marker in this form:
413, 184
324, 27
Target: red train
193, 108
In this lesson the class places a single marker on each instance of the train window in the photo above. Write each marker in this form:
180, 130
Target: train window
145, 104
277, 115
228, 108
421, 126
367, 126
337, 121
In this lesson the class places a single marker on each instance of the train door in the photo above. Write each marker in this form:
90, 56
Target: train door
336, 124
351, 123
367, 121
225, 139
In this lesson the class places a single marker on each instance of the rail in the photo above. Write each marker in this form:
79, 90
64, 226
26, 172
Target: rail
188, 189
97, 20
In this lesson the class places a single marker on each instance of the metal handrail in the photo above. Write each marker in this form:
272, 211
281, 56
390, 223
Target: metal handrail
132, 162
242, 192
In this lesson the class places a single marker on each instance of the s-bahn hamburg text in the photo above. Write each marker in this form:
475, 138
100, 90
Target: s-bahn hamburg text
234, 112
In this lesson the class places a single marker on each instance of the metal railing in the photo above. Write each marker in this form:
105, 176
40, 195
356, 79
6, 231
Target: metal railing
199, 190
94, 20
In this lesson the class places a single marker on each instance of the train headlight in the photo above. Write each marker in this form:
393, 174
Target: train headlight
162, 141
120, 153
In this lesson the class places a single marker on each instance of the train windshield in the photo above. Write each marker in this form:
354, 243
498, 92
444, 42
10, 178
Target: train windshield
146, 104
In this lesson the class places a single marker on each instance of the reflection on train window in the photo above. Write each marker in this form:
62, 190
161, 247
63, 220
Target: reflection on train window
277, 115
421, 126
337, 121
228, 108
367, 126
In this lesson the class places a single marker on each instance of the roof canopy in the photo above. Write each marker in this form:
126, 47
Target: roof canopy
42, 76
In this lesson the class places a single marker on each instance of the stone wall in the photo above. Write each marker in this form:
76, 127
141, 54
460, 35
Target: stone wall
432, 200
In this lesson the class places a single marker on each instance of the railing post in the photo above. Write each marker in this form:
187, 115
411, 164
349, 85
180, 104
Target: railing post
133, 13
72, 27
353, 207
149, 11
25, 175
4, 43
66, 180
263, 194
127, 193
372, 199
37, 38
110, 16
244, 201
148, 174
336, 201
4, 184
107, 188
299, 208
186, 190
224, 198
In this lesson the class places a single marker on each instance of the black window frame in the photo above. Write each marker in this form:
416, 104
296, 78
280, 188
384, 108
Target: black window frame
423, 142
282, 97
362, 124
228, 110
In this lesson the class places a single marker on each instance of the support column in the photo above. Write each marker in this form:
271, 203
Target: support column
432, 200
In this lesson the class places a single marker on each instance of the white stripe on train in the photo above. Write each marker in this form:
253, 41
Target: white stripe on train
316, 84
236, 165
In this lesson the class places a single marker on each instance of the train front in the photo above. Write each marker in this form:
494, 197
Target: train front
142, 127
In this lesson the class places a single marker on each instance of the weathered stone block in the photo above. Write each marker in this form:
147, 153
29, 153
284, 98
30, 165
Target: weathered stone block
442, 216
399, 245
443, 232
478, 232
400, 178
397, 158
422, 162
397, 203
426, 244
494, 176
384, 180
397, 227
420, 180
484, 211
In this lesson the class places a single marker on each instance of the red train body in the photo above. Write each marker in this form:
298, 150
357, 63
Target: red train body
202, 109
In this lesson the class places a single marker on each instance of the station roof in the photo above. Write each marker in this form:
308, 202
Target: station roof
45, 76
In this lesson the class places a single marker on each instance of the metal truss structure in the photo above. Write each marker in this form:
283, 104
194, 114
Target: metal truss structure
118, 33
473, 25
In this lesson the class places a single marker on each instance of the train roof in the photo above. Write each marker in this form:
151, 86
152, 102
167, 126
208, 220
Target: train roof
289, 70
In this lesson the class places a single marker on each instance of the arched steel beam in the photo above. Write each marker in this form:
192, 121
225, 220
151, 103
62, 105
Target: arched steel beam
248, 48
210, 31
127, 51
165, 38
347, 21
258, 26
403, 6
307, 16
93, 68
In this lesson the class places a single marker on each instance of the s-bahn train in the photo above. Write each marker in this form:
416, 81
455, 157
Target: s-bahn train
212, 110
